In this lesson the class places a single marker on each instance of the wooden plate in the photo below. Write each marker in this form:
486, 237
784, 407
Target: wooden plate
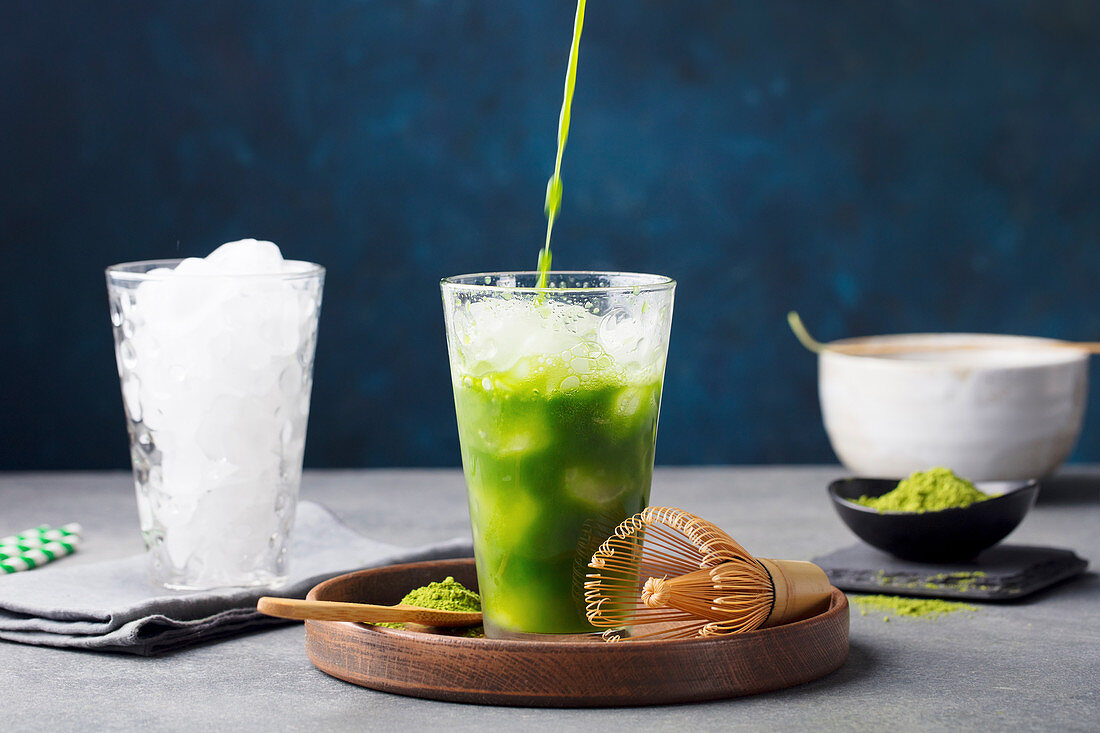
585, 673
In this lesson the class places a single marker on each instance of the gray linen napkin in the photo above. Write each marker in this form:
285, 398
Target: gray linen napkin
111, 606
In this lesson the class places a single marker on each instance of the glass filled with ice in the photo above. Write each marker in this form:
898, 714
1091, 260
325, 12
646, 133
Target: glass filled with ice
557, 392
215, 356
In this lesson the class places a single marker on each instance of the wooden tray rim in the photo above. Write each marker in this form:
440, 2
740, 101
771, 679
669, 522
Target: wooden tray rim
836, 606
401, 638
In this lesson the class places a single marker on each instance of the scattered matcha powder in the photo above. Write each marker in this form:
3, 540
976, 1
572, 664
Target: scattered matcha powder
445, 595
927, 491
962, 581
930, 608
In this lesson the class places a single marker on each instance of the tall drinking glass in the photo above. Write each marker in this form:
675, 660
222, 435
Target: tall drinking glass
557, 393
216, 375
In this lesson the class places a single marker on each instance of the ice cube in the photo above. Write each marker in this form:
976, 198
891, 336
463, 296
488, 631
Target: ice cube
620, 335
187, 266
591, 486
628, 401
493, 335
246, 257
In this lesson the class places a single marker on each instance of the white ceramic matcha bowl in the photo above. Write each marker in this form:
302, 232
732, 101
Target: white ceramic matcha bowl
1010, 409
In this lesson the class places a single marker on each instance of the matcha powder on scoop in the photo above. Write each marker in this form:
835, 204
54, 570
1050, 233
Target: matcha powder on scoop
445, 595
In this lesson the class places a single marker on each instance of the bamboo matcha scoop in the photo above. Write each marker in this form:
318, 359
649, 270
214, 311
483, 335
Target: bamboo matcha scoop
364, 612
668, 567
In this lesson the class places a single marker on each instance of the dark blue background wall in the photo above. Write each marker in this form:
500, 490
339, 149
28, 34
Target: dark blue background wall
882, 166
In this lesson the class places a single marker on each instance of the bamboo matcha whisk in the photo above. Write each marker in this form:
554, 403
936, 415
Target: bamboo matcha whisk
668, 567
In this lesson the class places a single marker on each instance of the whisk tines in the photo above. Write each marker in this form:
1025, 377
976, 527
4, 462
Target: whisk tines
682, 576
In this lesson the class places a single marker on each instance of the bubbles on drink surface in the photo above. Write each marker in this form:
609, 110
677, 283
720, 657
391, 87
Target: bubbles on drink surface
555, 345
216, 361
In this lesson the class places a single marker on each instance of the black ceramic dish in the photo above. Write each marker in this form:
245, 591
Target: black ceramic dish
942, 536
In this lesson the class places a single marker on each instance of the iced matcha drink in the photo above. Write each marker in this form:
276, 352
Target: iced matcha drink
557, 394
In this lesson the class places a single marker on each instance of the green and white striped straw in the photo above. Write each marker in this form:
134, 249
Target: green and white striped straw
40, 535
34, 547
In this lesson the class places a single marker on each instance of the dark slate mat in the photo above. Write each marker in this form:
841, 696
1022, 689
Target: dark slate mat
1001, 573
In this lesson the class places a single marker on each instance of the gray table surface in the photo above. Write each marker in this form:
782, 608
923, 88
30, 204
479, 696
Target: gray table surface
1031, 664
